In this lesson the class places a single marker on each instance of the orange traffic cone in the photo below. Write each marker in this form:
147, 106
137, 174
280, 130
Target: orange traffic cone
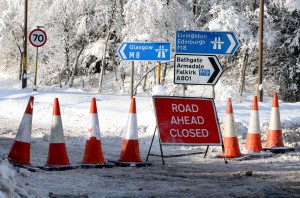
130, 153
57, 155
230, 140
274, 137
253, 139
93, 149
130, 149
20, 151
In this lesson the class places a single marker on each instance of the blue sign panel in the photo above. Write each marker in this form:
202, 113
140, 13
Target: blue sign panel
204, 72
206, 42
143, 51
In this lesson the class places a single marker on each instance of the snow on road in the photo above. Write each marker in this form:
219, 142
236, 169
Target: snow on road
190, 176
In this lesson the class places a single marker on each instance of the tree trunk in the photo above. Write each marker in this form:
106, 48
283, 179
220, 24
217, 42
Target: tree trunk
123, 76
21, 66
164, 73
242, 73
154, 76
105, 48
75, 69
194, 7
103, 62
254, 5
145, 79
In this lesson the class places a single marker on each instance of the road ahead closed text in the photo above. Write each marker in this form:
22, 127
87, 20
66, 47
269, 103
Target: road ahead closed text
186, 121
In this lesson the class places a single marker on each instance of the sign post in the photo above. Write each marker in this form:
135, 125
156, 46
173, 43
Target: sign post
187, 121
37, 38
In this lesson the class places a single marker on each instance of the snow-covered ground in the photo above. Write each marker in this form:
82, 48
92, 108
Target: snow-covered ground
189, 176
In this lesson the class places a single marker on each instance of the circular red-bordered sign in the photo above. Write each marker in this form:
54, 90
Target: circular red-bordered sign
37, 37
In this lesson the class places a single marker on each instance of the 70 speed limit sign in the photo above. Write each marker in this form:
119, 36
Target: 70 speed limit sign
37, 37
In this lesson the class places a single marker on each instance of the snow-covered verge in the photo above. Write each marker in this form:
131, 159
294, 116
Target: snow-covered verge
190, 176
12, 183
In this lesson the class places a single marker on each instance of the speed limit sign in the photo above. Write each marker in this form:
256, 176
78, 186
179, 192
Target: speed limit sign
37, 37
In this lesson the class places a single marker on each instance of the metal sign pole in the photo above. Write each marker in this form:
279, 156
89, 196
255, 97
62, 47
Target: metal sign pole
35, 69
158, 72
131, 79
24, 73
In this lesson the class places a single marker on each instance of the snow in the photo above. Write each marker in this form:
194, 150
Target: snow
189, 176
144, 37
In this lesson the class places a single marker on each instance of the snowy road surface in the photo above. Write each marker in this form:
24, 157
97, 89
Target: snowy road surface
190, 176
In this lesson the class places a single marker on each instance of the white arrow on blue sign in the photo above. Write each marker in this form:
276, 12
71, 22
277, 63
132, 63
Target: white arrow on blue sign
206, 42
145, 51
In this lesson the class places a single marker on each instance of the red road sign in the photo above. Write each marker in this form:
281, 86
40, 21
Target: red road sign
37, 37
189, 121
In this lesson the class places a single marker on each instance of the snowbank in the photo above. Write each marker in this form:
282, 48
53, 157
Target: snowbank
10, 185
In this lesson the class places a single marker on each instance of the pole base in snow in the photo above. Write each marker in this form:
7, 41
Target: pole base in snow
283, 149
131, 164
104, 165
58, 168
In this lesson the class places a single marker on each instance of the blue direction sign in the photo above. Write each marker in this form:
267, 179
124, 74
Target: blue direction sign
143, 51
206, 42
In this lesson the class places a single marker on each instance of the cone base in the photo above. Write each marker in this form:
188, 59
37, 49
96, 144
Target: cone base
103, 165
93, 152
274, 139
57, 155
231, 147
20, 153
253, 142
130, 151
58, 167
131, 164
279, 149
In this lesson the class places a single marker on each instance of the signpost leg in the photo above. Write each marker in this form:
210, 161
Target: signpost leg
223, 149
151, 143
35, 70
161, 152
131, 79
206, 151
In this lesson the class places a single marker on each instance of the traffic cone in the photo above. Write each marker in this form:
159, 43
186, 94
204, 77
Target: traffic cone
130, 152
57, 155
20, 151
230, 139
130, 149
253, 139
93, 149
274, 137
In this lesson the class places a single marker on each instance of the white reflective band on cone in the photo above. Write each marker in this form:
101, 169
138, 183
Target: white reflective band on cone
24, 130
131, 132
57, 135
254, 127
275, 119
94, 127
230, 128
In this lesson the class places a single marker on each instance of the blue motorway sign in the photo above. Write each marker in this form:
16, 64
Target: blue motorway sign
206, 42
144, 51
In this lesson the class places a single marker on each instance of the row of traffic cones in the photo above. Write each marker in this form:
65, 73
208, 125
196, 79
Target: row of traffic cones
57, 154
253, 139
